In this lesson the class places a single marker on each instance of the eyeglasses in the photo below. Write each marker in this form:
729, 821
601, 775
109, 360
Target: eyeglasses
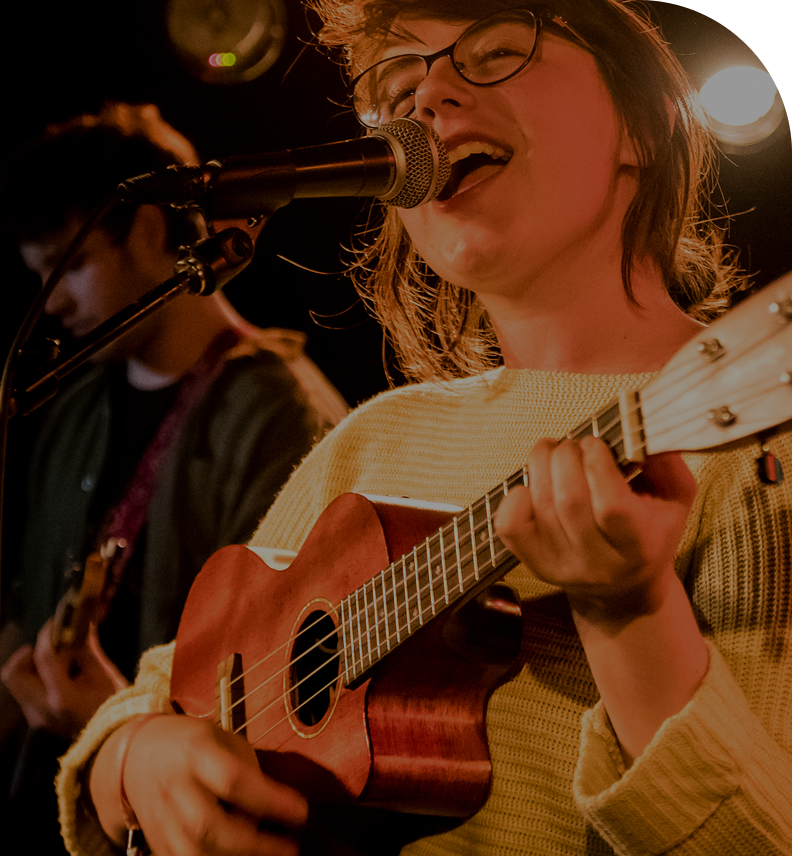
490, 51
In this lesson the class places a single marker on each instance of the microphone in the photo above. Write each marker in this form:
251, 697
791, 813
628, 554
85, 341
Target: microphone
403, 163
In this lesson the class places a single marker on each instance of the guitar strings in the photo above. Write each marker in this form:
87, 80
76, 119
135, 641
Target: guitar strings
377, 600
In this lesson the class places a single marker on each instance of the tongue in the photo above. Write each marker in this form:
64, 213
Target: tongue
468, 172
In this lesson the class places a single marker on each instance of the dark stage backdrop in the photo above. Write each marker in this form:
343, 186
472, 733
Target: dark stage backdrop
66, 58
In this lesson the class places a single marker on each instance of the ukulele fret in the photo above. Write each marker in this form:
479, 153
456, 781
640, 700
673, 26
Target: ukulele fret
606, 424
365, 642
419, 591
473, 545
376, 616
395, 612
406, 589
443, 567
358, 634
345, 638
386, 613
458, 557
490, 534
483, 549
368, 625
431, 576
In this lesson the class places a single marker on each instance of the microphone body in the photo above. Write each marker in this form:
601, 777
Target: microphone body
404, 163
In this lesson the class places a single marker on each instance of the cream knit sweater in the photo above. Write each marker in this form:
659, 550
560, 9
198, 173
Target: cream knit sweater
717, 778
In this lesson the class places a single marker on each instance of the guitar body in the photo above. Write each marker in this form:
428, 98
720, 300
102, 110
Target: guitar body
410, 733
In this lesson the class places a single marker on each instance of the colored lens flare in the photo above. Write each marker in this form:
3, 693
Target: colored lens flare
222, 60
738, 96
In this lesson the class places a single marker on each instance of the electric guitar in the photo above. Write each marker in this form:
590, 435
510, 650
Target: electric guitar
79, 605
77, 608
362, 672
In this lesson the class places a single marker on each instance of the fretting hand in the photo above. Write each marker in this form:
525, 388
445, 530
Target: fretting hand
609, 545
59, 691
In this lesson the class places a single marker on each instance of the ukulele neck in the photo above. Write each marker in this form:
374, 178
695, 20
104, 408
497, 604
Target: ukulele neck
463, 557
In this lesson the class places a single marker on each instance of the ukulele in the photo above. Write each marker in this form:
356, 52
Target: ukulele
362, 672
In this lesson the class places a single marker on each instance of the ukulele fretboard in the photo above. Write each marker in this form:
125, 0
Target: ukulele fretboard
461, 556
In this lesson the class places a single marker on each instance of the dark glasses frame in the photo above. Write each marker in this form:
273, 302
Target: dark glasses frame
540, 17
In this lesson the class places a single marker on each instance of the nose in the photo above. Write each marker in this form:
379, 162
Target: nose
442, 90
60, 302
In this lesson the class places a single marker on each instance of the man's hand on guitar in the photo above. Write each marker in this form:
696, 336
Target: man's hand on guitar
59, 691
194, 789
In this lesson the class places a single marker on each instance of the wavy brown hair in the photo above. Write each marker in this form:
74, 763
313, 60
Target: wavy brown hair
441, 331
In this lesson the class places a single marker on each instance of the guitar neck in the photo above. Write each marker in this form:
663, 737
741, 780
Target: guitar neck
463, 556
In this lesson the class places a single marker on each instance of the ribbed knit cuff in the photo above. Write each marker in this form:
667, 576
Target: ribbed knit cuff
81, 831
695, 761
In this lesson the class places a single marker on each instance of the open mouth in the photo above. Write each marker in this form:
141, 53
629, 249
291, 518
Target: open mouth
471, 163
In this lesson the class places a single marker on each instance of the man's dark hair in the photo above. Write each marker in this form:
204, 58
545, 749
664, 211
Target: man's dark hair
73, 166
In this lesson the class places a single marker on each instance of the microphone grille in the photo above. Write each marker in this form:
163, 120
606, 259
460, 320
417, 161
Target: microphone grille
422, 161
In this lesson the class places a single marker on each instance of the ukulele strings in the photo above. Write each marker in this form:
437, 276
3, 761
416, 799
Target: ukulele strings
664, 386
451, 551
379, 602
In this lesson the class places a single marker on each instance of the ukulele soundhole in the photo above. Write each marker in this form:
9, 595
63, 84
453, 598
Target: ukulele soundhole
314, 670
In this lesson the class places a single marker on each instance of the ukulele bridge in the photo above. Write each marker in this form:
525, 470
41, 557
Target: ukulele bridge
230, 696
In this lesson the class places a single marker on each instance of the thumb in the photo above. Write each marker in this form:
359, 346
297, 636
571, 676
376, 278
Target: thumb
92, 659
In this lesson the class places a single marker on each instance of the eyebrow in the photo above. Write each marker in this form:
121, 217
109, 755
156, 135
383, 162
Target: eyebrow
400, 36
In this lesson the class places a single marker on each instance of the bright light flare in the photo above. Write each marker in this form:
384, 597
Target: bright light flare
738, 96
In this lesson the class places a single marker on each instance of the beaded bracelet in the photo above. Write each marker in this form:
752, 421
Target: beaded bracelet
136, 840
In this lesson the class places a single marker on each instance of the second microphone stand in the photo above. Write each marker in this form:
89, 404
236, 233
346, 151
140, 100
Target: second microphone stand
201, 269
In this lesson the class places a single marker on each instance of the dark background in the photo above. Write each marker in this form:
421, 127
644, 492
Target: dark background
67, 58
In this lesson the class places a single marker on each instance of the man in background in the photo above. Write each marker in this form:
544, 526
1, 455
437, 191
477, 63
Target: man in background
173, 444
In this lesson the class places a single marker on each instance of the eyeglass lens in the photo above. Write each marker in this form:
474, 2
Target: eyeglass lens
489, 51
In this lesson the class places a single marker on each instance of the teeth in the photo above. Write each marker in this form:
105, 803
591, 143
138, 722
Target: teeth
467, 149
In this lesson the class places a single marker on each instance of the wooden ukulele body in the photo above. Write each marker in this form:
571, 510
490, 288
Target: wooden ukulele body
410, 734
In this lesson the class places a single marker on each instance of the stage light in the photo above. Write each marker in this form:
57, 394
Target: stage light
738, 96
742, 107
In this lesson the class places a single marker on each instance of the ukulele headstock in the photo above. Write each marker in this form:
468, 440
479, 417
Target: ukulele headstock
730, 382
